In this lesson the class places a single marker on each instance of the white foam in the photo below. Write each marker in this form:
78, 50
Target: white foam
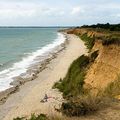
22, 66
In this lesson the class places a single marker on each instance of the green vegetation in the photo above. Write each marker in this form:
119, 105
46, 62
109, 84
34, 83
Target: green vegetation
109, 34
88, 103
72, 84
83, 105
111, 27
33, 117
41, 117
108, 40
94, 55
89, 41
78, 100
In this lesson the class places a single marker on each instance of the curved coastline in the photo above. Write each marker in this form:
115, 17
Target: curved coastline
33, 70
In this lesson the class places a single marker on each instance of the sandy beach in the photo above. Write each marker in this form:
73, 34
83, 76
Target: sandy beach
27, 100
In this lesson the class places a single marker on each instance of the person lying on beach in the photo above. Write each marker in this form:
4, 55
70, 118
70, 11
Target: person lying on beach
45, 99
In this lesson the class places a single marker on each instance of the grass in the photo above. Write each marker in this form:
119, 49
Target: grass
108, 40
94, 55
73, 82
89, 41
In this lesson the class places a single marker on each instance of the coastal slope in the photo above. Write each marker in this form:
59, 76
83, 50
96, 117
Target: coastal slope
106, 67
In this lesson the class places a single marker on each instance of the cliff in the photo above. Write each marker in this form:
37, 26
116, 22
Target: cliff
106, 67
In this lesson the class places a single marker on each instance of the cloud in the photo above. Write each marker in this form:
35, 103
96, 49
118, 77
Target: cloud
118, 15
64, 12
13, 13
18, 10
115, 15
77, 10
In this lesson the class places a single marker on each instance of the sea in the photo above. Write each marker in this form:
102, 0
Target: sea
21, 46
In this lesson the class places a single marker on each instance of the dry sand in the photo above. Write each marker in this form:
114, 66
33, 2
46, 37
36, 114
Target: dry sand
27, 100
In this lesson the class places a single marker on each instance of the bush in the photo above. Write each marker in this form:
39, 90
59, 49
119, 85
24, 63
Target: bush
84, 105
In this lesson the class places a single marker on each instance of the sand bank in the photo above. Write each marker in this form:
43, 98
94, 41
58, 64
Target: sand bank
27, 99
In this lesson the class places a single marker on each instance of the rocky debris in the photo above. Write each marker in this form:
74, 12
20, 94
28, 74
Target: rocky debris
5, 94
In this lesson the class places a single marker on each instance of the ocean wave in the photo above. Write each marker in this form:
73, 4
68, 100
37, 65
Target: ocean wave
7, 75
1, 65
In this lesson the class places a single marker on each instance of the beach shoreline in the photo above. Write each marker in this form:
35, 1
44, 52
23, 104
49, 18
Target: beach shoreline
32, 72
27, 98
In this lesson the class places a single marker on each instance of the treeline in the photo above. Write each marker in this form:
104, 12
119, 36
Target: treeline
111, 27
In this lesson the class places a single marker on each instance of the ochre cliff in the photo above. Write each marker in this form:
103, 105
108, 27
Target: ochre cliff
106, 67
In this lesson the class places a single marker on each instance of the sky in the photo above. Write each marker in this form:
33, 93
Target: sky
58, 12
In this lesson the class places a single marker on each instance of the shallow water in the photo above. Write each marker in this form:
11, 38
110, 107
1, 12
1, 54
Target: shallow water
19, 47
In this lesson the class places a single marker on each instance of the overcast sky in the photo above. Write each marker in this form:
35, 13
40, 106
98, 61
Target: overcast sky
58, 12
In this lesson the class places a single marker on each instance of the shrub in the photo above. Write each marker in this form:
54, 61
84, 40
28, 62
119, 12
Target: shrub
84, 105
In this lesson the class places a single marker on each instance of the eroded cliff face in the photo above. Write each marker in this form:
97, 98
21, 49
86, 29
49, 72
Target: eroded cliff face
106, 67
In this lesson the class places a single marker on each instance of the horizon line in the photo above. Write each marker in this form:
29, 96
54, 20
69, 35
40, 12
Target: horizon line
35, 26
